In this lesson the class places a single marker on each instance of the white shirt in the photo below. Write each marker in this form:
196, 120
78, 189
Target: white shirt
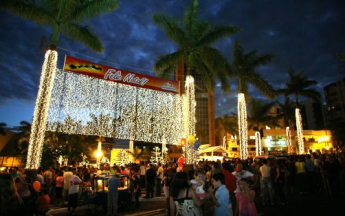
66, 177
142, 170
265, 171
160, 172
74, 185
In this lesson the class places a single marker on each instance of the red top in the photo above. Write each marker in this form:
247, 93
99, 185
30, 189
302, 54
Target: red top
43, 203
230, 181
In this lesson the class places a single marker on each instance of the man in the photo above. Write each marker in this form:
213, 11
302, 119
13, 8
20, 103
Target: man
142, 174
113, 194
48, 177
230, 182
159, 180
150, 182
266, 181
73, 192
66, 177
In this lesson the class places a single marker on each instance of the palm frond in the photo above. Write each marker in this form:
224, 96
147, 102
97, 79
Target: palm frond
311, 93
191, 21
91, 9
165, 65
83, 35
216, 33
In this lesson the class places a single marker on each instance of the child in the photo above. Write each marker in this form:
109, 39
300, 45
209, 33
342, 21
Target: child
245, 199
198, 184
221, 198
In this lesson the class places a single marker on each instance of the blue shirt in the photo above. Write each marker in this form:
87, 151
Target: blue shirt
113, 184
222, 196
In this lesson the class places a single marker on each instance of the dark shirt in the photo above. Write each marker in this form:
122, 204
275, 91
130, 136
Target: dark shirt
150, 175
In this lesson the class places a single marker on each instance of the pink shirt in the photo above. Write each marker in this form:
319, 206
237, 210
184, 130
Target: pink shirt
59, 181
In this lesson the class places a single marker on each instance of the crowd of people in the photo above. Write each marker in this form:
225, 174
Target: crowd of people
231, 187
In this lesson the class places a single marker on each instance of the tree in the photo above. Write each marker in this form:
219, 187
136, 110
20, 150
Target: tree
298, 85
140, 154
2, 128
244, 68
65, 18
194, 39
260, 116
287, 112
225, 124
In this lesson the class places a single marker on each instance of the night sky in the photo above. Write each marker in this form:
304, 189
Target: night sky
302, 34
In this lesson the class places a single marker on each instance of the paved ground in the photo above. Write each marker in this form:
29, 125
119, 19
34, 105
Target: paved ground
311, 204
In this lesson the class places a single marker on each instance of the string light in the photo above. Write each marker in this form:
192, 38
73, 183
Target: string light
157, 158
242, 126
122, 158
39, 123
90, 106
258, 143
288, 140
299, 131
189, 105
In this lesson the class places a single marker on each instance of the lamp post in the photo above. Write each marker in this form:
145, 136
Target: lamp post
98, 154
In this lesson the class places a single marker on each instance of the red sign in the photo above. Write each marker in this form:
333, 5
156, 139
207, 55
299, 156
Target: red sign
121, 76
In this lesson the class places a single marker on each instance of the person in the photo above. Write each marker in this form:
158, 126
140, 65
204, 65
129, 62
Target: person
239, 173
113, 194
167, 178
245, 200
301, 175
221, 199
183, 199
150, 182
43, 202
59, 187
159, 178
136, 189
230, 182
73, 193
142, 174
66, 177
198, 184
10, 201
266, 182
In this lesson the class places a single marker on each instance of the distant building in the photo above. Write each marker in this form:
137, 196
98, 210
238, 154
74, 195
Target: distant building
335, 99
313, 115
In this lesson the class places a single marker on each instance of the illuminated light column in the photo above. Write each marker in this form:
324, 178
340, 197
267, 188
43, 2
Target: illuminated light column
99, 154
41, 110
164, 145
131, 149
189, 106
224, 142
258, 143
242, 126
288, 140
299, 131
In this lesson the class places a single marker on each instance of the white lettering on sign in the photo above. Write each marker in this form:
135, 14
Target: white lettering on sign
113, 75
130, 78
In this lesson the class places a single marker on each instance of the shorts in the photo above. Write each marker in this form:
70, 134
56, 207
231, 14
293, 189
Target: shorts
73, 200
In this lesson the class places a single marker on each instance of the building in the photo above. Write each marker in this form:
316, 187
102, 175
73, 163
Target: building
313, 115
335, 100
204, 113
274, 142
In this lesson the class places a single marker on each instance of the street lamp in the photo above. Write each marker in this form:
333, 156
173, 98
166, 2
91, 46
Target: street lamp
98, 154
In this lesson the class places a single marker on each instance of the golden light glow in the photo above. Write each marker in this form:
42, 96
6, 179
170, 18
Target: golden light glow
189, 107
288, 140
299, 131
242, 126
258, 143
39, 122
98, 154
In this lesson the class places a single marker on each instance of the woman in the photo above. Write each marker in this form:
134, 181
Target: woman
59, 188
10, 201
182, 197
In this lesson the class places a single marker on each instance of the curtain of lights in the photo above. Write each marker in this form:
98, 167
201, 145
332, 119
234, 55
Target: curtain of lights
258, 143
288, 140
41, 110
299, 131
86, 105
189, 106
242, 126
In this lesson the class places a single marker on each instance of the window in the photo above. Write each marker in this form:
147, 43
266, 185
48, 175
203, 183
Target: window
233, 149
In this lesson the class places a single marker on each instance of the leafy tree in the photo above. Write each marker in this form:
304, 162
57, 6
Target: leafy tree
194, 39
65, 17
298, 85
244, 67
140, 154
2, 129
225, 124
287, 112
260, 116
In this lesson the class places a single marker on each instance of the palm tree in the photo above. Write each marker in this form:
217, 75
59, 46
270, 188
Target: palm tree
298, 85
65, 18
2, 128
243, 67
194, 39
140, 154
287, 112
259, 117
225, 124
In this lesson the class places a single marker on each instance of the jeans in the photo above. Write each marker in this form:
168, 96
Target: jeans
112, 203
158, 187
267, 182
149, 188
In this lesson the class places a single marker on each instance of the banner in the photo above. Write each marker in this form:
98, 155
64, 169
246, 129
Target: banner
121, 76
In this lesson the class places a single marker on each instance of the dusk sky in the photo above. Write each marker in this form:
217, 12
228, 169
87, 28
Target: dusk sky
302, 34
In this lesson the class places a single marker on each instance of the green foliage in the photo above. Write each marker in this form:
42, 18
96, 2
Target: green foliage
260, 116
194, 39
243, 67
287, 112
223, 125
64, 16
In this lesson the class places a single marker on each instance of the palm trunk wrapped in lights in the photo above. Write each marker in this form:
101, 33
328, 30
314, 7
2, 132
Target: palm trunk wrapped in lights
41, 110
189, 105
299, 131
288, 140
258, 143
242, 126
